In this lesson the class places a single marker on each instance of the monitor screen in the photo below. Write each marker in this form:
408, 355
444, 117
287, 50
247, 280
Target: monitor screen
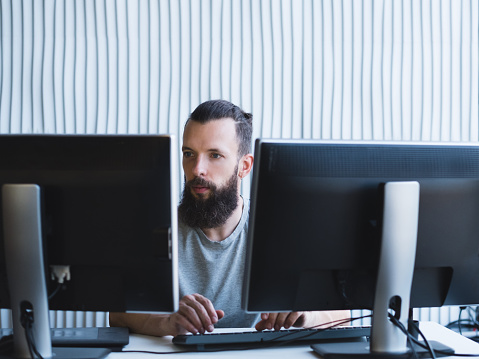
316, 215
106, 212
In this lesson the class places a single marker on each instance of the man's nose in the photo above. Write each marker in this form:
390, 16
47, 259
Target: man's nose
200, 167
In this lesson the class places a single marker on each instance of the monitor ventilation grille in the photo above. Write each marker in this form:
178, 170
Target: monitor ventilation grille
319, 160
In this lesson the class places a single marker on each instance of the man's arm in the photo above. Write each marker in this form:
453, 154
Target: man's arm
196, 314
277, 321
149, 324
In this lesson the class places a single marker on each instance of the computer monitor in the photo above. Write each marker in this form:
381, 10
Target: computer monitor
90, 220
315, 232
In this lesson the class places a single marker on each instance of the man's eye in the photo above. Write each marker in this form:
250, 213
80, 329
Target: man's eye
187, 154
215, 155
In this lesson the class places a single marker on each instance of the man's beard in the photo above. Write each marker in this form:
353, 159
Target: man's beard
210, 212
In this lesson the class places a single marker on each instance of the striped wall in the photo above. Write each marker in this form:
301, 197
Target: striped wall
314, 69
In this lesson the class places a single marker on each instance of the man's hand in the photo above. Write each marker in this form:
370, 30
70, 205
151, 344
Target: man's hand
277, 321
196, 314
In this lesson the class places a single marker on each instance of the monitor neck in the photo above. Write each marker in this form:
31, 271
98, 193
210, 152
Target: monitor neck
25, 268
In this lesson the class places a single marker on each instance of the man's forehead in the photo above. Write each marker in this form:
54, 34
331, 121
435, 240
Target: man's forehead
214, 135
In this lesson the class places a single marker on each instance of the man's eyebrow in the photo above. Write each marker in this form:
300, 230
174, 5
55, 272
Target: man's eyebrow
185, 148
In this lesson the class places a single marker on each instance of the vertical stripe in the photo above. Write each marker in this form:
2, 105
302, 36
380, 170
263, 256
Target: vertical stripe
382, 75
85, 71
371, 69
460, 71
322, 68
333, 71
303, 135
1, 59
252, 54
176, 128
211, 51
362, 70
262, 68
127, 43
391, 73
273, 84
221, 50
64, 69
421, 134
402, 69
411, 116
139, 57
470, 72
107, 49
353, 39
313, 68
230, 79
342, 71
190, 95
441, 71
168, 119
157, 120
54, 64
450, 70
75, 46
22, 46
242, 51
431, 136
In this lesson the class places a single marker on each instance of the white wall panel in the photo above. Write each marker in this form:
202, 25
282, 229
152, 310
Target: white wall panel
320, 69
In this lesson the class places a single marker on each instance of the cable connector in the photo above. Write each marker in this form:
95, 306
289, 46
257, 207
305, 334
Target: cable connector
60, 273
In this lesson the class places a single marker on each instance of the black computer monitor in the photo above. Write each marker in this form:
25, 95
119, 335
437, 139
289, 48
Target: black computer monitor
90, 221
315, 232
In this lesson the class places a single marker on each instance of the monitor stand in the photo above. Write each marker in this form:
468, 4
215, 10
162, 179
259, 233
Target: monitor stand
395, 274
26, 275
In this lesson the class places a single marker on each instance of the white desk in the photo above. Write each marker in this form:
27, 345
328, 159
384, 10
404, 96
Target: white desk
433, 331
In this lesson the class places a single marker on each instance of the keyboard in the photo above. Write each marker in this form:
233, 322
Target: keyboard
114, 338
271, 337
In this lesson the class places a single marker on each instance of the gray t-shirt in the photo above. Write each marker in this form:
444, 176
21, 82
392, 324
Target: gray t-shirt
216, 269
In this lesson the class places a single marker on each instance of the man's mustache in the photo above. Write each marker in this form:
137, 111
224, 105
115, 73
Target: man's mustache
199, 181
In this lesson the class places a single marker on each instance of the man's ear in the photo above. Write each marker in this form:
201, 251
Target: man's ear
245, 165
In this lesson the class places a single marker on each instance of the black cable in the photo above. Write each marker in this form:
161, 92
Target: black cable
429, 348
57, 289
410, 341
29, 340
264, 344
26, 319
471, 323
410, 338
327, 326
426, 344
473, 316
459, 322
339, 322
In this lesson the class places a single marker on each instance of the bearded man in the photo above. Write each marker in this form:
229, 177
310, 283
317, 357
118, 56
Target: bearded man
213, 227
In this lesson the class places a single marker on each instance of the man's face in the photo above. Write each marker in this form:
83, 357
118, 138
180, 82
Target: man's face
210, 163
210, 153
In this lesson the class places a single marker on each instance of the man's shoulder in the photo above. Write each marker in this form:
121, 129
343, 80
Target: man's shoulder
185, 231
183, 227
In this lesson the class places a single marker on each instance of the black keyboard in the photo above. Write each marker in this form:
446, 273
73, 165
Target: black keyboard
271, 337
114, 338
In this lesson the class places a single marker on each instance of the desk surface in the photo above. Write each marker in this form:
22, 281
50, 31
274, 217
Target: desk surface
433, 331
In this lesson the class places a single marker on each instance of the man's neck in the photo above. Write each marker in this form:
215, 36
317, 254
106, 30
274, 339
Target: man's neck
221, 233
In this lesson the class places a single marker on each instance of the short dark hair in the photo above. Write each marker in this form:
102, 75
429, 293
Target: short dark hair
217, 109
